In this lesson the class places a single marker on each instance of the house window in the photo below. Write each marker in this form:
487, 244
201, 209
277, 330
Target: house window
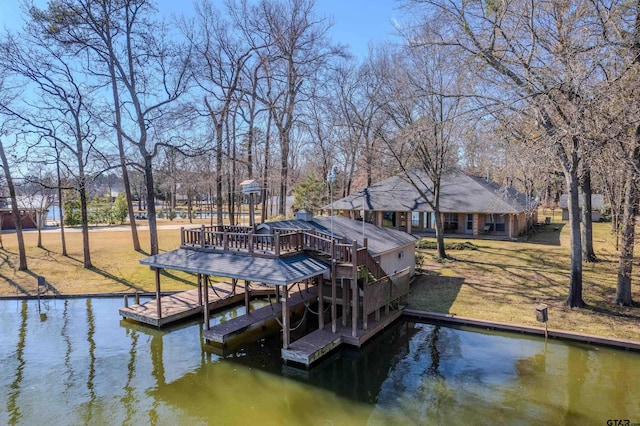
415, 219
389, 219
451, 221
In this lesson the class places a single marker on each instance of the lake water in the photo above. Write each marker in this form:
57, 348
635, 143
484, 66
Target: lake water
75, 362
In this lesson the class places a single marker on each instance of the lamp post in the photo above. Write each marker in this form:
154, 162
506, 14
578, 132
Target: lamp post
362, 195
332, 176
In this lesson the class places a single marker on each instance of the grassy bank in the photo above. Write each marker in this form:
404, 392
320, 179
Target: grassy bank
487, 280
116, 264
503, 281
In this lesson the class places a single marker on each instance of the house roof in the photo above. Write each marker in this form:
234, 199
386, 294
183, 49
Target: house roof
459, 193
379, 239
278, 271
597, 201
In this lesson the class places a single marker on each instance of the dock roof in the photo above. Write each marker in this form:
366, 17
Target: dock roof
277, 271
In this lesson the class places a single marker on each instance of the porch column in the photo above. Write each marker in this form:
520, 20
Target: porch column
285, 318
345, 301
510, 226
365, 316
200, 289
334, 319
320, 282
205, 280
409, 221
247, 296
354, 296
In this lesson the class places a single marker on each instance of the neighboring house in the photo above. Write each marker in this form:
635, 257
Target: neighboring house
392, 249
597, 204
468, 204
28, 218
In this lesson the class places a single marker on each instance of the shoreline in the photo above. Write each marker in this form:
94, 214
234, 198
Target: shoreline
408, 313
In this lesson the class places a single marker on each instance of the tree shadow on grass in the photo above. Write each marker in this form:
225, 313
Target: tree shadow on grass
115, 278
433, 292
177, 278
549, 235
23, 291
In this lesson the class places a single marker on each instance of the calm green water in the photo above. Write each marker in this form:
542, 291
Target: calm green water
75, 362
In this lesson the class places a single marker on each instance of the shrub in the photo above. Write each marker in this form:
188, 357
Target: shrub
432, 245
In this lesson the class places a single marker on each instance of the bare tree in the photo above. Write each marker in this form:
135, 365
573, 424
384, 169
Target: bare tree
17, 217
63, 113
424, 101
540, 59
296, 45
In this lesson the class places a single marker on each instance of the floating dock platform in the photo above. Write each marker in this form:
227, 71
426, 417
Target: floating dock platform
185, 304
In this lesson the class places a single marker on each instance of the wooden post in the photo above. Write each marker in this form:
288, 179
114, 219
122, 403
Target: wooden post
202, 236
334, 319
126, 301
181, 236
320, 281
345, 300
158, 303
206, 301
225, 241
200, 289
136, 297
276, 236
247, 296
285, 319
365, 315
306, 285
250, 242
354, 296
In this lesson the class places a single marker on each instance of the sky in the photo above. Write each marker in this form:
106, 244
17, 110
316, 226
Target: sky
357, 23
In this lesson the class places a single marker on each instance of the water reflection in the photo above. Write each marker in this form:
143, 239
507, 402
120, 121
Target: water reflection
83, 366
12, 407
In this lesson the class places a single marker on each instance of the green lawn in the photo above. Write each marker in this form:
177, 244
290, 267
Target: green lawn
503, 281
499, 281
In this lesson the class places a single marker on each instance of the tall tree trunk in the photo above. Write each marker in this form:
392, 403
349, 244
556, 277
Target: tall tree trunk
574, 299
123, 158
84, 214
60, 203
151, 205
265, 171
22, 254
588, 254
284, 173
631, 199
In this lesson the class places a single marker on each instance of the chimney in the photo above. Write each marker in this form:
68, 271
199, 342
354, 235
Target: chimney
304, 215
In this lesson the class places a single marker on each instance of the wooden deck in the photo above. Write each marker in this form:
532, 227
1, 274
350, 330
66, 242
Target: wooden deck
319, 343
185, 304
223, 332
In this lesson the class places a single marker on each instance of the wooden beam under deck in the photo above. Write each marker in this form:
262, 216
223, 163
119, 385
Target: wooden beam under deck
223, 332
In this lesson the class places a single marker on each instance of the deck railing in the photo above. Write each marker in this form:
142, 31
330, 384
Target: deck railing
281, 242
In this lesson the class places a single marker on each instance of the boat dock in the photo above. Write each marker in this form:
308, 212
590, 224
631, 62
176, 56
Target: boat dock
261, 317
318, 343
174, 307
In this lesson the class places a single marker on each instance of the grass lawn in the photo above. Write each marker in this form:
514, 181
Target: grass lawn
503, 281
500, 281
116, 264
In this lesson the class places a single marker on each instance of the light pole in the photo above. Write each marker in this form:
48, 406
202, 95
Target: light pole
332, 176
